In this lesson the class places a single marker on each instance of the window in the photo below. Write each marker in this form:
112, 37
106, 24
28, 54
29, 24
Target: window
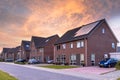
103, 30
105, 55
58, 47
41, 49
61, 59
27, 45
64, 46
82, 43
81, 57
71, 45
92, 57
73, 59
113, 45
78, 44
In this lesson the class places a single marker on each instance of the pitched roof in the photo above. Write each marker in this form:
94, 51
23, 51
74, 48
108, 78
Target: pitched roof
10, 50
37, 40
46, 40
26, 44
5, 50
41, 41
79, 33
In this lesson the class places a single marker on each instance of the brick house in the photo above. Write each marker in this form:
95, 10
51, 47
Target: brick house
4, 53
42, 48
9, 53
25, 50
17, 52
85, 45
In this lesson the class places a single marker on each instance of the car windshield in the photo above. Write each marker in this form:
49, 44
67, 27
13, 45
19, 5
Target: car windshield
106, 59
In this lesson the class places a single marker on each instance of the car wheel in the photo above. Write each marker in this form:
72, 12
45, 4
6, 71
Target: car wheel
109, 65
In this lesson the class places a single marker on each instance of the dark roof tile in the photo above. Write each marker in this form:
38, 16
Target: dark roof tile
78, 33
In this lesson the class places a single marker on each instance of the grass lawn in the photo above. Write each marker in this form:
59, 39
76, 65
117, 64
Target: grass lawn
59, 66
6, 76
118, 79
20, 63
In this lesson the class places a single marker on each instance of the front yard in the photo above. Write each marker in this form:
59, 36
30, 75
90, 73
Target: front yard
5, 76
59, 66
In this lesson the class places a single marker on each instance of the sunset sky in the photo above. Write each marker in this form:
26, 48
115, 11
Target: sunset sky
20, 19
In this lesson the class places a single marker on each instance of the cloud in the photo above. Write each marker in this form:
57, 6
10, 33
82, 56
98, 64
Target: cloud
20, 19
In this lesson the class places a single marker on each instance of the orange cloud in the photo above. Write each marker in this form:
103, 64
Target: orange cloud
47, 17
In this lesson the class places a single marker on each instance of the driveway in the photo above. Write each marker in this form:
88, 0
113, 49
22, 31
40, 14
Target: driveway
90, 70
23, 72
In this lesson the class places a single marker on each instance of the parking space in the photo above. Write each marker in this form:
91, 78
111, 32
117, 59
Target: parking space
90, 70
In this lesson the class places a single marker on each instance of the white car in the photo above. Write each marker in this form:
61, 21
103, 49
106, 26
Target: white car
33, 61
50, 61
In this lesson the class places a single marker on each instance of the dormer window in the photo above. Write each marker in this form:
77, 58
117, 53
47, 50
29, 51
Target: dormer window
27, 46
103, 30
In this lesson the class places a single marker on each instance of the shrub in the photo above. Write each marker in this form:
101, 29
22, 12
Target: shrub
117, 66
1, 60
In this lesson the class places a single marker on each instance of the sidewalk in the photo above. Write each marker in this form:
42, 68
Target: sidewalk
108, 76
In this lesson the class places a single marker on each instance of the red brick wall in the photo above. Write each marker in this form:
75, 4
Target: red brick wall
99, 43
68, 51
49, 48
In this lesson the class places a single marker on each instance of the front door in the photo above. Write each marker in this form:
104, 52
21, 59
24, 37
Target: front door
92, 59
82, 62
78, 59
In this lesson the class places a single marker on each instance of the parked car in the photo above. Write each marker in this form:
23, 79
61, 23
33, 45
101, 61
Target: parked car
50, 61
33, 61
108, 62
9, 60
20, 60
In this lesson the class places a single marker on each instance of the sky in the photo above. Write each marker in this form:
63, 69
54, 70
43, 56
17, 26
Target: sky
21, 19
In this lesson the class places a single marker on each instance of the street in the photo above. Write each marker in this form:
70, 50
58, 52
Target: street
24, 73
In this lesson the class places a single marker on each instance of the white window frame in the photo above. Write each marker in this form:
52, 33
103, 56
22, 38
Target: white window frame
71, 45
82, 57
82, 43
64, 46
73, 59
113, 45
78, 44
41, 49
103, 30
93, 57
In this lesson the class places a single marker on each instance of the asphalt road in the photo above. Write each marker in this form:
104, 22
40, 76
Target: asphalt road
24, 73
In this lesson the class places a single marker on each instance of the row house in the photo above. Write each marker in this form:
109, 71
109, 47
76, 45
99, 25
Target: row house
25, 50
4, 54
42, 48
10, 53
85, 45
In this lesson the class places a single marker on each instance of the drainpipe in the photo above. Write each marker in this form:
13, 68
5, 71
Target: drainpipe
42, 54
54, 55
86, 52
